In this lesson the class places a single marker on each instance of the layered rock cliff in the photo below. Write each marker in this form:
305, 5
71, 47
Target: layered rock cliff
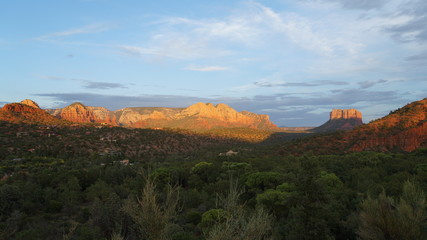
77, 112
345, 114
341, 119
197, 116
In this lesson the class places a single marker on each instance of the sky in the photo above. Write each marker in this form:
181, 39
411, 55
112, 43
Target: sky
293, 60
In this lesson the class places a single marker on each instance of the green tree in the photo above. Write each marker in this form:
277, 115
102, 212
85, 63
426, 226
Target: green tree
309, 217
106, 214
264, 180
153, 216
237, 223
385, 218
10, 199
277, 200
206, 171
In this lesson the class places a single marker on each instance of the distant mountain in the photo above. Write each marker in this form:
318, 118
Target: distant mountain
28, 112
341, 119
402, 130
296, 129
199, 116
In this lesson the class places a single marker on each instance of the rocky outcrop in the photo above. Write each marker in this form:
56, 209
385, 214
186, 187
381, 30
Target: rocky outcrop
207, 116
341, 119
133, 117
30, 103
197, 116
345, 114
27, 112
103, 115
77, 112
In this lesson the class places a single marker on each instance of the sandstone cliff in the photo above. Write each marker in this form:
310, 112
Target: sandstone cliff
341, 119
345, 114
30, 103
197, 116
77, 112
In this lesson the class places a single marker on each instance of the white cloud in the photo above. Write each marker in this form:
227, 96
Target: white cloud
91, 28
54, 78
177, 46
140, 51
207, 68
252, 27
314, 41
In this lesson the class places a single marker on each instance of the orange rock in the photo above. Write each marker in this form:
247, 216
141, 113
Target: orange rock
24, 113
77, 112
345, 114
196, 116
30, 103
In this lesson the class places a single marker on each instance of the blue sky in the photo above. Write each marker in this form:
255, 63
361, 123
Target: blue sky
293, 60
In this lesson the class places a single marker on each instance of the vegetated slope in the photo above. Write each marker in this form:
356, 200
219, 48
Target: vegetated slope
27, 129
28, 112
402, 130
113, 142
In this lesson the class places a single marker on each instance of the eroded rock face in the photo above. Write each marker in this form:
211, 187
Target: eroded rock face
30, 103
209, 116
16, 107
341, 119
220, 112
345, 114
196, 116
103, 115
77, 112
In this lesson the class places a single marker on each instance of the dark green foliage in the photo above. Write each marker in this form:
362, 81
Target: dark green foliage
153, 216
67, 190
386, 218
10, 199
264, 180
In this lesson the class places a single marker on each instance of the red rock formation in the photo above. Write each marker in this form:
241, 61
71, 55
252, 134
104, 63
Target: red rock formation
345, 114
24, 113
30, 103
341, 119
80, 113
209, 116
404, 129
196, 116
77, 112
103, 115
406, 140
